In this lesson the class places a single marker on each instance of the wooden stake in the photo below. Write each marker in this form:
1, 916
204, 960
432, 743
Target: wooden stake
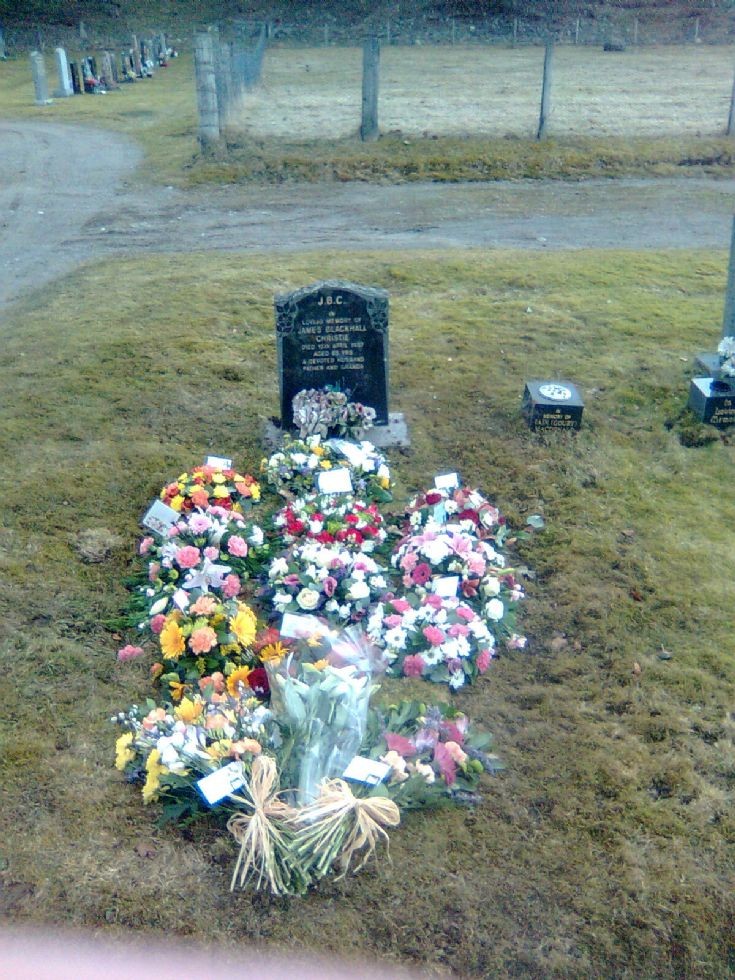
370, 77
546, 89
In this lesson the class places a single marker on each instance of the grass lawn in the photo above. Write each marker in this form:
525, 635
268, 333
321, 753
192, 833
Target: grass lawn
605, 849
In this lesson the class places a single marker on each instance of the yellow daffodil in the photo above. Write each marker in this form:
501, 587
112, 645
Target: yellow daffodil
177, 690
244, 625
123, 751
172, 640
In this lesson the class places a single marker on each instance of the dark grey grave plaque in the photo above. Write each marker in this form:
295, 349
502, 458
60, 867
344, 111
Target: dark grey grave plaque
713, 402
334, 333
552, 405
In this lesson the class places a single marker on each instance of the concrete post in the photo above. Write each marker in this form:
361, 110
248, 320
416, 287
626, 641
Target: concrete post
137, 64
370, 78
38, 67
209, 122
728, 320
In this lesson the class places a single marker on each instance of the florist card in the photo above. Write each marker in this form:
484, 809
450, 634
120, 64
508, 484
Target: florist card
217, 785
159, 517
335, 481
218, 462
446, 481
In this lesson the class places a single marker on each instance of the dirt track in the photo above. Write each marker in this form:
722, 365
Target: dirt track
67, 195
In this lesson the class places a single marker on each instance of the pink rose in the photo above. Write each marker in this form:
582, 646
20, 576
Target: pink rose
237, 546
129, 652
291, 579
144, 546
329, 585
157, 623
188, 556
483, 660
231, 587
434, 635
413, 665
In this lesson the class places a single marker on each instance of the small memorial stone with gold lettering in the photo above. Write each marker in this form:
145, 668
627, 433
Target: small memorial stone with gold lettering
551, 405
334, 333
713, 401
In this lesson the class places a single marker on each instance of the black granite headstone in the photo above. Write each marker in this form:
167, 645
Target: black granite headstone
334, 333
552, 405
713, 402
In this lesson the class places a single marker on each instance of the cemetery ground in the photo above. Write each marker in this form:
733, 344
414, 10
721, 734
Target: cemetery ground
604, 849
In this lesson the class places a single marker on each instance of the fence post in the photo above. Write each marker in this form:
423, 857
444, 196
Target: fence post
696, 31
3, 52
730, 131
206, 89
728, 320
515, 30
576, 31
546, 89
370, 73
635, 31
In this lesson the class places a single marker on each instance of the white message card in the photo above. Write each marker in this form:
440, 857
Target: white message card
296, 626
446, 586
368, 771
446, 481
159, 517
181, 599
221, 783
219, 462
334, 481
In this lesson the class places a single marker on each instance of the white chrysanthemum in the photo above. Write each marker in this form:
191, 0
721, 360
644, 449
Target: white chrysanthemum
456, 679
395, 638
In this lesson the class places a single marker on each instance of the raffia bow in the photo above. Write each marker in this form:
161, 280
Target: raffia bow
339, 824
263, 839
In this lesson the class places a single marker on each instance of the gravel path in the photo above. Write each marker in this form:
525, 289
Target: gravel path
68, 195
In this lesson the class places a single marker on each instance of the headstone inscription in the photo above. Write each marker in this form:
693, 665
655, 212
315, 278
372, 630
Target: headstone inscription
552, 405
65, 88
38, 66
334, 333
713, 401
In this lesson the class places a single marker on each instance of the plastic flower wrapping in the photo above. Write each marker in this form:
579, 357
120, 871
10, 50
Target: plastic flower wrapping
208, 485
294, 469
726, 350
280, 732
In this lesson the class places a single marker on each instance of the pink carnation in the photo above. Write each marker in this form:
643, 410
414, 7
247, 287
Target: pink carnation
188, 556
408, 562
434, 600
447, 765
199, 523
483, 660
392, 621
413, 665
458, 629
434, 635
464, 612
203, 639
237, 546
211, 552
400, 605
157, 622
476, 564
231, 587
144, 546
421, 574
129, 652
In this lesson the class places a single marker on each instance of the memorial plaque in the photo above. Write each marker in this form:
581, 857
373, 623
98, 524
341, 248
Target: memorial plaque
552, 405
334, 333
713, 402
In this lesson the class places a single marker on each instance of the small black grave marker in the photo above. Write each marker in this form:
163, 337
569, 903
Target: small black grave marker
713, 402
552, 405
334, 333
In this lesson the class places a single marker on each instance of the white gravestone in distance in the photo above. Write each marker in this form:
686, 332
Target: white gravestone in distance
65, 88
38, 67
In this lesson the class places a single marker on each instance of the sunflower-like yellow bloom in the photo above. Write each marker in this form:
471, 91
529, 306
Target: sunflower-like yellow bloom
172, 640
154, 770
237, 682
244, 625
273, 652
123, 751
